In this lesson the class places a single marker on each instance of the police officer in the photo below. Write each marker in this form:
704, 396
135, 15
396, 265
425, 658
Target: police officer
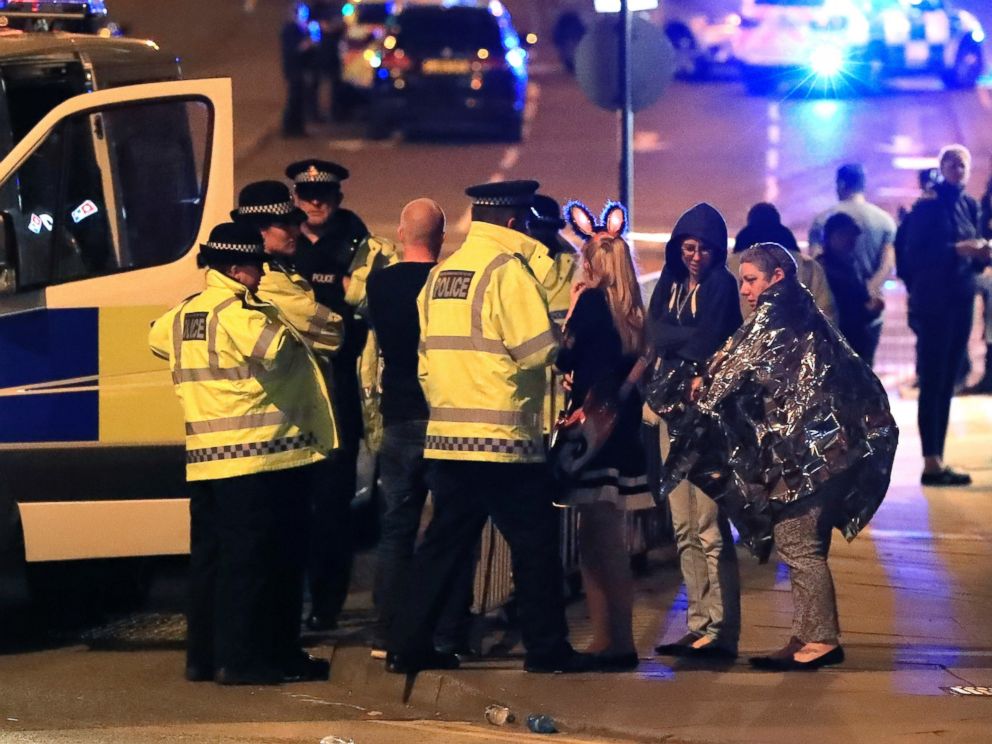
296, 47
331, 237
486, 340
268, 207
256, 411
545, 225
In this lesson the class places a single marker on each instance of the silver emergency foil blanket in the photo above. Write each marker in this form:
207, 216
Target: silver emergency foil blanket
790, 410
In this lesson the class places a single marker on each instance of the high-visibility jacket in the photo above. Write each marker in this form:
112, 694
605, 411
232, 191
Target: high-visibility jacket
251, 391
486, 339
321, 328
558, 286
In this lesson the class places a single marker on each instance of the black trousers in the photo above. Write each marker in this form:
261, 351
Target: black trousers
293, 113
941, 345
247, 551
331, 547
518, 497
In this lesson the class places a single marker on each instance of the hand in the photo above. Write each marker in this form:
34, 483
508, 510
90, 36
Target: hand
972, 248
566, 382
695, 389
876, 304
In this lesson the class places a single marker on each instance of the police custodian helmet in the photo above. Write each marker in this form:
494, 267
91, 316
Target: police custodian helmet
265, 203
232, 244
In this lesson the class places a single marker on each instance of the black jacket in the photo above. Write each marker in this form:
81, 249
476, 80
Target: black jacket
938, 276
692, 330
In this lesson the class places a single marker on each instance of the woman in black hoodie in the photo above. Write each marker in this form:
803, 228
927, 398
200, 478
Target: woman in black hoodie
693, 311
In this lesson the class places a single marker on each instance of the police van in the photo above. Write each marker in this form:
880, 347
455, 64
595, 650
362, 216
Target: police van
113, 168
854, 45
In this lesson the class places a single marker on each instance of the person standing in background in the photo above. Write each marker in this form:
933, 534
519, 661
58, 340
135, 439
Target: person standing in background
945, 252
295, 45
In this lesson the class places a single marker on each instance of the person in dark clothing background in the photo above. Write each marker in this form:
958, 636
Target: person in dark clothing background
944, 251
984, 282
764, 225
325, 251
392, 310
693, 311
326, 60
859, 313
296, 45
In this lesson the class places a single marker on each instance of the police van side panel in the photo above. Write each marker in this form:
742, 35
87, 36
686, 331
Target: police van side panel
101, 205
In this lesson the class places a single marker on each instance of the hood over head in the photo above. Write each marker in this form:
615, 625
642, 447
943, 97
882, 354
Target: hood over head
704, 222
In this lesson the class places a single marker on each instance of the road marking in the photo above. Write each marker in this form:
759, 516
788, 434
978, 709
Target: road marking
772, 154
648, 142
357, 145
510, 158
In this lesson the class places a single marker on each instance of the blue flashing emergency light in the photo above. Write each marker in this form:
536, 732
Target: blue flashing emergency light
827, 61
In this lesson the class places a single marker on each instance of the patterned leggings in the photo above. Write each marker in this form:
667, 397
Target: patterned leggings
802, 535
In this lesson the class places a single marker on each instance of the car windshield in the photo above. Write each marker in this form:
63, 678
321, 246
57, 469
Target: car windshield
429, 30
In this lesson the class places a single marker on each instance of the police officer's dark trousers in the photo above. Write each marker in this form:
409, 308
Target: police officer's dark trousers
518, 498
246, 571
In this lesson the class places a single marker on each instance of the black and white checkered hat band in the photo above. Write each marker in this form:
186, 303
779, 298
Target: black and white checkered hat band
239, 247
502, 201
318, 177
277, 209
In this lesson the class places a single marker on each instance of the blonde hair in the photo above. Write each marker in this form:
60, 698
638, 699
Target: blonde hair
612, 270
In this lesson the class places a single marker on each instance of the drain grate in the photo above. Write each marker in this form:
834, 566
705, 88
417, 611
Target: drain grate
969, 691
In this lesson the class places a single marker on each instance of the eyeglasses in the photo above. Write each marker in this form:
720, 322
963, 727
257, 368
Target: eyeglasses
692, 249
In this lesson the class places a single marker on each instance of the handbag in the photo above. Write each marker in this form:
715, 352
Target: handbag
577, 437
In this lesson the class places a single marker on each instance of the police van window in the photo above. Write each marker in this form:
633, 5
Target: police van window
32, 90
111, 191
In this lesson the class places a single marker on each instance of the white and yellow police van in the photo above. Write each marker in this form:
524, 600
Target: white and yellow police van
854, 45
112, 170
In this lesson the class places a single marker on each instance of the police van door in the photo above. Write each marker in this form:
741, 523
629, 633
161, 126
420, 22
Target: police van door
101, 206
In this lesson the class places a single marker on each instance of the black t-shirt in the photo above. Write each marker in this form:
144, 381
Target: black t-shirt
392, 309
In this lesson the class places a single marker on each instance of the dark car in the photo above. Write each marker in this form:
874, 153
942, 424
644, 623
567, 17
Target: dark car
452, 68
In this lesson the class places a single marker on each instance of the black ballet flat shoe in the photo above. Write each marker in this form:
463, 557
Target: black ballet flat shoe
712, 651
681, 647
616, 662
946, 477
773, 664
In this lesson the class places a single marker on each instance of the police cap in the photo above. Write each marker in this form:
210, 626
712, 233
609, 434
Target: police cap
232, 244
265, 203
546, 213
503, 194
316, 177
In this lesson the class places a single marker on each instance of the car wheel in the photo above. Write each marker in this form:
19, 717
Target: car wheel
968, 67
688, 63
758, 82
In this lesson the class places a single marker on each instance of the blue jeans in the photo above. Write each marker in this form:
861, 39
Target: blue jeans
403, 486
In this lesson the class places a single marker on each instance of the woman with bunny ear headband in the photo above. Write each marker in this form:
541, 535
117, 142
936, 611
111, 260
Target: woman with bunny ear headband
604, 338
693, 311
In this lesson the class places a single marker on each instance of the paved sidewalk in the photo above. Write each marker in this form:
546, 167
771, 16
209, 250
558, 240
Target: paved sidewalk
915, 601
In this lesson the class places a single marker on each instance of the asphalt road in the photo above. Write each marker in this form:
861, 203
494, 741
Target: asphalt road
703, 141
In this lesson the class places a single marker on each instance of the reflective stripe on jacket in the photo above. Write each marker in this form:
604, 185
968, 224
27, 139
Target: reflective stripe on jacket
251, 391
321, 328
558, 286
486, 339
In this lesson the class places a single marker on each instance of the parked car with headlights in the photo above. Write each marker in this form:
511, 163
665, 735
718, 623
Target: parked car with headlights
449, 67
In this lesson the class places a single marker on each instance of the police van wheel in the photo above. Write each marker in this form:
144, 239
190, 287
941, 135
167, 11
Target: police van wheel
968, 67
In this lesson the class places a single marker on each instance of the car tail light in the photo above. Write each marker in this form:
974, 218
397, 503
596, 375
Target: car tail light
396, 60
